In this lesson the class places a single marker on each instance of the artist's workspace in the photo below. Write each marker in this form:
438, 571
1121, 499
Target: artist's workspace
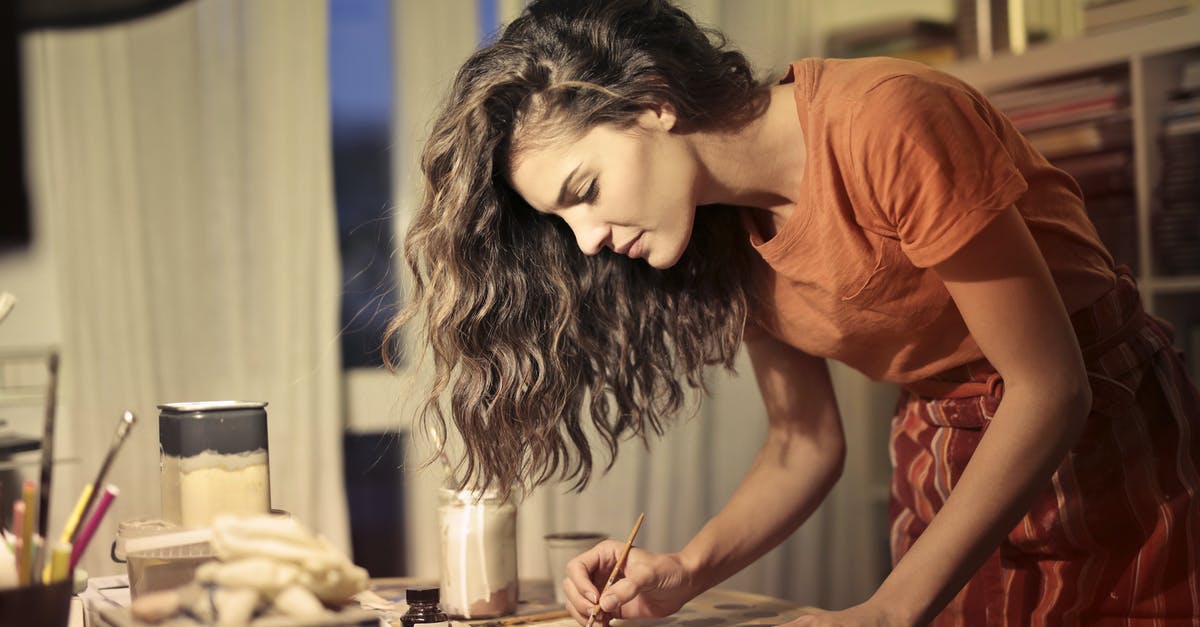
203, 209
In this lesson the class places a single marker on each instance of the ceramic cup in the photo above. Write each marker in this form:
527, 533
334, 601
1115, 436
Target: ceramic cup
561, 547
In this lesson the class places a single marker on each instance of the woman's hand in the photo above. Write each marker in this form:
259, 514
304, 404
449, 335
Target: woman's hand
651, 585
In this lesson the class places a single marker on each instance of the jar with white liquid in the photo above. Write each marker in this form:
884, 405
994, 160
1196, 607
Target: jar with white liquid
478, 554
213, 460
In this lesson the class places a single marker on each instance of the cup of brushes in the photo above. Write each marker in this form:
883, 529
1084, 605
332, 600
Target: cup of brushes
37, 574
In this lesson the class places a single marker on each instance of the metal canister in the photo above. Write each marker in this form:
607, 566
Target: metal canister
213, 460
478, 554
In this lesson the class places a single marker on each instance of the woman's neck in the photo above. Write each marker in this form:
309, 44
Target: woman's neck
760, 165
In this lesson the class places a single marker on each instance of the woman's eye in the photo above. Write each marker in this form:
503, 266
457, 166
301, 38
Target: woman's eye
590, 194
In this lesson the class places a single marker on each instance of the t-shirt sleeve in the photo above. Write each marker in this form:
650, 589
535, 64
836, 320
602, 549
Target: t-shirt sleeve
932, 164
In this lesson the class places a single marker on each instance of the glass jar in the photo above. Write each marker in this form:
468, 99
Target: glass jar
213, 460
478, 553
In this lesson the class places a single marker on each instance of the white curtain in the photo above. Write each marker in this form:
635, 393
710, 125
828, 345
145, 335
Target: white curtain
834, 560
183, 165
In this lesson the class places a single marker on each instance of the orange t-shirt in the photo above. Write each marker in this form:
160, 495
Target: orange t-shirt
905, 165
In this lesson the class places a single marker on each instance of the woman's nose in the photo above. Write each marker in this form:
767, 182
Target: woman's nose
591, 235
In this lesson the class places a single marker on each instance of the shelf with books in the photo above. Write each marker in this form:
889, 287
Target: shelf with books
1058, 58
1101, 16
1120, 112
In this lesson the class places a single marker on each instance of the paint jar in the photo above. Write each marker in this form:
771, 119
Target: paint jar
166, 560
561, 548
423, 609
213, 460
478, 553
137, 528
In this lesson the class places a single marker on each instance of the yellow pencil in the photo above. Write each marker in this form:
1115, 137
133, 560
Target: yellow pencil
60, 562
76, 515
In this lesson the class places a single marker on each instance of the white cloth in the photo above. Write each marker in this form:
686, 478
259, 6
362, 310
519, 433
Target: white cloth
183, 164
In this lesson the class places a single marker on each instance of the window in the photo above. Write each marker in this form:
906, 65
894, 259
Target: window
360, 85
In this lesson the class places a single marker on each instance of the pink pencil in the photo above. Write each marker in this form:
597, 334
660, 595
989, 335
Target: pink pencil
110, 493
18, 523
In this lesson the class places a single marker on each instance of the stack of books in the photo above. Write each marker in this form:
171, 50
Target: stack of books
1177, 212
1107, 15
1083, 126
927, 41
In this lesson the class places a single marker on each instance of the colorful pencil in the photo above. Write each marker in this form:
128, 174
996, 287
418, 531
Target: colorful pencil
89, 529
76, 514
19, 552
29, 497
60, 563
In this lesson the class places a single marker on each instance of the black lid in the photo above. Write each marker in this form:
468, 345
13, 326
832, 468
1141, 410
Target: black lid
422, 595
224, 427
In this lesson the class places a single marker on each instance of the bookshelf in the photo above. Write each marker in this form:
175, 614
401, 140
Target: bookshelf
1148, 61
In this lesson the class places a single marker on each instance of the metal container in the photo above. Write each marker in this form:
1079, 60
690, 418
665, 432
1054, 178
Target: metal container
213, 460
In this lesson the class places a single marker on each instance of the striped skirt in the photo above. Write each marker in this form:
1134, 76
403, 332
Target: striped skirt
1114, 538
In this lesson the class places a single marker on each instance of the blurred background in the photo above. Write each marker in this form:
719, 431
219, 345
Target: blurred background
204, 199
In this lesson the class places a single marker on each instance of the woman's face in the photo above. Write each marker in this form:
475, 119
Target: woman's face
632, 190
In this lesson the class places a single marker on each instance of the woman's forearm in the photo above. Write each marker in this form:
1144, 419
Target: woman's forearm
1023, 446
790, 477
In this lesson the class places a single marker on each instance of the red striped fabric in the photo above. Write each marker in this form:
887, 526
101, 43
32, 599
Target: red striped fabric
1114, 539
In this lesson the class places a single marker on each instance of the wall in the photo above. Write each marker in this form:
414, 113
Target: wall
29, 274
34, 323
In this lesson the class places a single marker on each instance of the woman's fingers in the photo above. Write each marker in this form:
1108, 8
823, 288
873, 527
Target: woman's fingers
587, 574
572, 607
617, 595
576, 604
590, 570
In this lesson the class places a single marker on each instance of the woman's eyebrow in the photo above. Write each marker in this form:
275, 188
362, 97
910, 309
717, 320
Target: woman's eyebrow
562, 191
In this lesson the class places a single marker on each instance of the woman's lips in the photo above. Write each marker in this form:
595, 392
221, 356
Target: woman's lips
635, 248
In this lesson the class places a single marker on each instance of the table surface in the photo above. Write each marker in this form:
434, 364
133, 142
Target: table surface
716, 608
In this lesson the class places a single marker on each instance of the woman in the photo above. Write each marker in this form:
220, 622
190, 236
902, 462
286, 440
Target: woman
613, 203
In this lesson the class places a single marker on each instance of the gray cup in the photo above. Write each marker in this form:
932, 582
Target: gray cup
561, 548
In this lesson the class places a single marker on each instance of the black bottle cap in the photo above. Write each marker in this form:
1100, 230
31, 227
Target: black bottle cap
422, 595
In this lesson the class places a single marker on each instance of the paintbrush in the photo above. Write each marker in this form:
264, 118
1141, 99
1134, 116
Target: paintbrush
123, 427
612, 576
43, 512
525, 620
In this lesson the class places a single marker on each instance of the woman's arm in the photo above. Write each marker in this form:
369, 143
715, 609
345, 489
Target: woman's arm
798, 464
1008, 299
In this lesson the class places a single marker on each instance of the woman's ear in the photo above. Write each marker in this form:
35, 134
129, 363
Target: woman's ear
665, 113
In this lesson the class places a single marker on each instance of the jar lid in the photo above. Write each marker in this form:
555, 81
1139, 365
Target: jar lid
204, 406
177, 544
222, 427
422, 595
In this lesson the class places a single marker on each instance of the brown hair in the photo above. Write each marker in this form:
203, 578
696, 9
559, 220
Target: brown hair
525, 329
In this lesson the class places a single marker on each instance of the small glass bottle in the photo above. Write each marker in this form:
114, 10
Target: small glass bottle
423, 608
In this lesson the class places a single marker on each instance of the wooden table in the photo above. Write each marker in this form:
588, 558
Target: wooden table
716, 608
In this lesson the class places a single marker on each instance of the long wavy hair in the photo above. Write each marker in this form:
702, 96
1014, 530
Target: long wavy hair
530, 337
